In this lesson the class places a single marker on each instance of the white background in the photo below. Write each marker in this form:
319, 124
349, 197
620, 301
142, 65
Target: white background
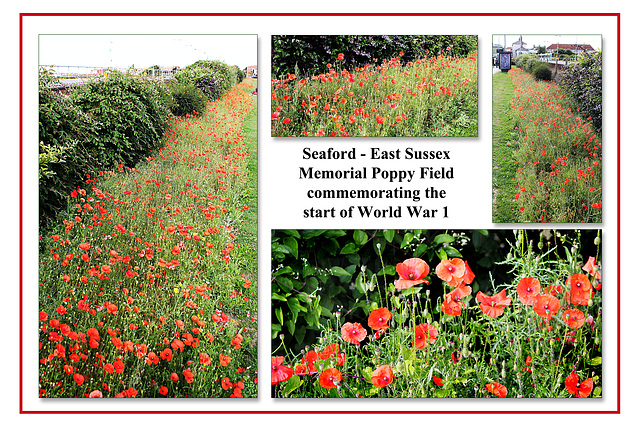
281, 194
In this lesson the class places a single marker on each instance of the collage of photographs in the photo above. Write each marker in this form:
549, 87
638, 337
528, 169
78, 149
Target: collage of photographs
181, 255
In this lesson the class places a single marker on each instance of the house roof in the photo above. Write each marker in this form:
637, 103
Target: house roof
570, 46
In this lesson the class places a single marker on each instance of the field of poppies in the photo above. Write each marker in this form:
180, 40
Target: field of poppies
436, 96
557, 156
438, 325
148, 283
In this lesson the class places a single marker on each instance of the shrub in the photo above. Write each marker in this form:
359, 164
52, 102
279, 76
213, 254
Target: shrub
63, 129
583, 82
108, 121
526, 61
186, 98
311, 53
238, 73
132, 113
541, 71
213, 78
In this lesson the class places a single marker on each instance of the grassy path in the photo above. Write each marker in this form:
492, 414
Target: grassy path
503, 145
148, 289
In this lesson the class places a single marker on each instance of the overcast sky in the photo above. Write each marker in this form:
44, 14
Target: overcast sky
142, 51
595, 40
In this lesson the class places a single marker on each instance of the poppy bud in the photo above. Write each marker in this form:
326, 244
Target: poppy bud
590, 303
540, 245
465, 352
596, 241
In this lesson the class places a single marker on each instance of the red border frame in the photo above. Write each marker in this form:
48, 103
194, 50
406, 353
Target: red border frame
20, 186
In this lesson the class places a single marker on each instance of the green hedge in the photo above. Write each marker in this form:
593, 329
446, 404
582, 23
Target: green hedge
213, 78
310, 54
111, 120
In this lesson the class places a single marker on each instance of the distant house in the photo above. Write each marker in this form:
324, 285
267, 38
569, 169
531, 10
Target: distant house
519, 48
252, 71
575, 48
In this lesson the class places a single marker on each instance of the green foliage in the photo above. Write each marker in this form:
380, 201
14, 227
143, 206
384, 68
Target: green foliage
583, 82
541, 71
111, 120
238, 73
317, 273
310, 54
186, 99
132, 116
527, 61
213, 78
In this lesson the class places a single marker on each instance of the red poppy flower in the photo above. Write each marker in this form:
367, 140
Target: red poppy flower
188, 375
78, 378
330, 378
438, 381
424, 333
279, 373
166, 354
528, 290
353, 333
577, 388
118, 365
95, 394
383, 376
309, 360
224, 359
174, 376
497, 389
227, 384
152, 358
412, 272
546, 305
468, 274
378, 318
452, 304
574, 318
580, 292
340, 57
163, 390
332, 351
450, 269
591, 268
493, 306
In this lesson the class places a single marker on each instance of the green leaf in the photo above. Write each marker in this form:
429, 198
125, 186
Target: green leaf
300, 333
278, 313
422, 248
331, 234
293, 246
339, 271
452, 252
388, 235
275, 330
292, 384
278, 297
442, 238
388, 270
349, 248
408, 238
596, 361
283, 270
360, 237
